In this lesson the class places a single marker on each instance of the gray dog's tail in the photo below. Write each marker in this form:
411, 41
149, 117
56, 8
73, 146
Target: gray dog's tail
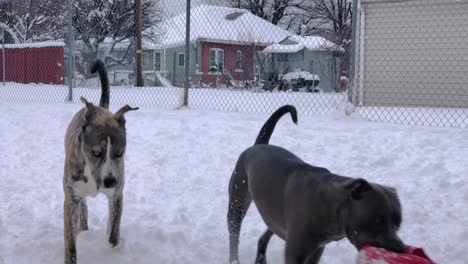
98, 66
267, 129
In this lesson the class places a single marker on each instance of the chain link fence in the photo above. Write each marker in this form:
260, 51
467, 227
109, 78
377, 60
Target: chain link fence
413, 62
410, 59
237, 62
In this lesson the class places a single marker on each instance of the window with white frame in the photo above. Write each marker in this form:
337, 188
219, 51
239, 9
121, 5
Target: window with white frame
282, 57
157, 61
238, 59
181, 60
216, 60
146, 58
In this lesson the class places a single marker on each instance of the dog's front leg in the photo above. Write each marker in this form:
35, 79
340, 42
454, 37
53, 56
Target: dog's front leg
315, 256
83, 215
70, 219
302, 247
298, 254
115, 214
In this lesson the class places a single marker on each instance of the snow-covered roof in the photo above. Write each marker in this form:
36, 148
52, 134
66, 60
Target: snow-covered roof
35, 45
220, 24
313, 43
282, 48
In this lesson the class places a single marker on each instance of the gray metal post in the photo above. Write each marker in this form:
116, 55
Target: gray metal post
3, 57
187, 55
353, 53
71, 57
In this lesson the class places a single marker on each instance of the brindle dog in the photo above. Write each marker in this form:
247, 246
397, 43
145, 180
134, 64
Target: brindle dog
95, 144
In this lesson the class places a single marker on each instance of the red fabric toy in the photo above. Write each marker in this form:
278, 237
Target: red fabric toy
374, 255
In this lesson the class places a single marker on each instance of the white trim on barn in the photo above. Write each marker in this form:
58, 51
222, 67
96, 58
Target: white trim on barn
44, 44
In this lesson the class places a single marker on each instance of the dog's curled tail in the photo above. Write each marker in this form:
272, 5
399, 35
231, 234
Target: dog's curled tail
100, 67
267, 129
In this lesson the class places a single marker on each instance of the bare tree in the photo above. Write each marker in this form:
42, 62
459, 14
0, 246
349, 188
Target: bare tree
111, 22
328, 18
28, 20
332, 20
278, 12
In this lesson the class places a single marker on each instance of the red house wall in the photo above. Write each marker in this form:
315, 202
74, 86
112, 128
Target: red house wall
229, 61
34, 65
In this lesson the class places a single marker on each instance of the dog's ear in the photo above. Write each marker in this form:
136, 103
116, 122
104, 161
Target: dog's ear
89, 110
392, 189
357, 188
119, 115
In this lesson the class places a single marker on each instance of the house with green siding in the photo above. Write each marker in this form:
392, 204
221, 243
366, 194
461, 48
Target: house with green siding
312, 54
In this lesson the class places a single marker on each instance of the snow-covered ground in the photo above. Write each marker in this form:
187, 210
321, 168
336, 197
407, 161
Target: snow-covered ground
229, 100
178, 164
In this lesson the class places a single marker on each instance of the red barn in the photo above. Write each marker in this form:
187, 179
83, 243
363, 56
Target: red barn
34, 63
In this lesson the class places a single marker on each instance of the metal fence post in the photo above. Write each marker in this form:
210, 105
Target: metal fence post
3, 57
71, 57
187, 55
353, 52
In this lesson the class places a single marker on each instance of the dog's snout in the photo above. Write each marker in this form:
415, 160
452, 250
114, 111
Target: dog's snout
393, 244
399, 246
109, 182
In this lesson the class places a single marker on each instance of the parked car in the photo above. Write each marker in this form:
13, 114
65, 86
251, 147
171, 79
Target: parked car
300, 79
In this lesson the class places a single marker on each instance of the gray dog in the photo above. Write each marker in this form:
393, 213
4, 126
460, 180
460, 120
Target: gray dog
94, 163
307, 206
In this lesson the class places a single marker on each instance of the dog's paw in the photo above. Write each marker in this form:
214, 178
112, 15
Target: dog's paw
260, 260
70, 259
114, 241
